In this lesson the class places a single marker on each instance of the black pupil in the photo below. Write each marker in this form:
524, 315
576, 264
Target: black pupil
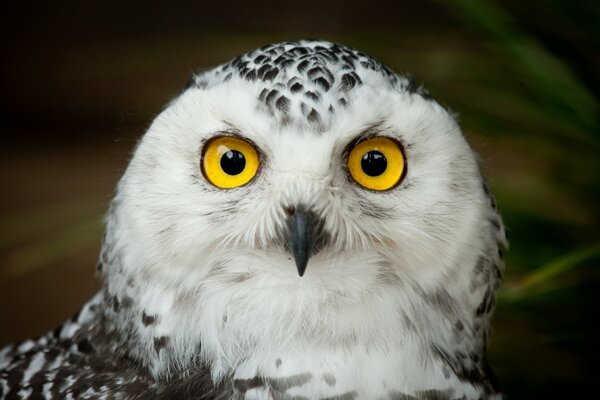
233, 162
373, 163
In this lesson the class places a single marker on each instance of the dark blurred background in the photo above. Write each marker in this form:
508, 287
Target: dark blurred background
82, 80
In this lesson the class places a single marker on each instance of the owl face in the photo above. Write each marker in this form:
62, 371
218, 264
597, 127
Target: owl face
302, 159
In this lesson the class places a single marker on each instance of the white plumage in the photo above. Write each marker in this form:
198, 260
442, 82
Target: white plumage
202, 298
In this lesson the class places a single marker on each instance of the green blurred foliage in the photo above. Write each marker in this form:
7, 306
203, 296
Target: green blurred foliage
546, 331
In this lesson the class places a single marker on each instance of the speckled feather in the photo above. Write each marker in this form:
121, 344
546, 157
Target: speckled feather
201, 299
77, 361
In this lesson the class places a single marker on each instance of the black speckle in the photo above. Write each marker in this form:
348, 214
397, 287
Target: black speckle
279, 59
271, 96
298, 51
323, 83
411, 86
484, 305
486, 188
56, 332
424, 93
441, 300
263, 94
329, 379
296, 87
312, 95
160, 343
269, 76
357, 78
251, 75
148, 319
349, 61
243, 71
190, 83
237, 61
282, 104
490, 304
395, 395
84, 346
243, 385
278, 363
286, 63
459, 325
116, 304
367, 64
348, 82
446, 372
263, 70
314, 72
302, 66
434, 394
261, 59
313, 116
285, 383
480, 266
51, 354
329, 76
126, 302
283, 61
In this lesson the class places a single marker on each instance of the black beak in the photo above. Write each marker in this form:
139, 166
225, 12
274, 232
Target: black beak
303, 231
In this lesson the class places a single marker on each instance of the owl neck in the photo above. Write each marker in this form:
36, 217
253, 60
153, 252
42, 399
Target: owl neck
226, 324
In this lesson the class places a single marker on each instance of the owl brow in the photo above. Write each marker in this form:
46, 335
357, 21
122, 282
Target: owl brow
230, 128
227, 130
373, 129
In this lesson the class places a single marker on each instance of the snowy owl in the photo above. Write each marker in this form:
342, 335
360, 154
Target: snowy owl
299, 223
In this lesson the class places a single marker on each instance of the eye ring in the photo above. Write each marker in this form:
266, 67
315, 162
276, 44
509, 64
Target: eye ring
228, 162
377, 163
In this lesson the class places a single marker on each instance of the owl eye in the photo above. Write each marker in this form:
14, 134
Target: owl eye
229, 162
377, 163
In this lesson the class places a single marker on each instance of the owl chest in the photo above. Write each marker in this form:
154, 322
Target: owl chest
278, 344
284, 345
356, 374
315, 374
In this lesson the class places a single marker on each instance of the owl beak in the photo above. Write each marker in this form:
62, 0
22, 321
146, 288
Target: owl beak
303, 228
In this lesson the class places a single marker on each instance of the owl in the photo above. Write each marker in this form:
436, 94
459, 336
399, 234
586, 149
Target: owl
299, 223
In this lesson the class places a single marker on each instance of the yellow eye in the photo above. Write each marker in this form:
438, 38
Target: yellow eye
229, 162
377, 163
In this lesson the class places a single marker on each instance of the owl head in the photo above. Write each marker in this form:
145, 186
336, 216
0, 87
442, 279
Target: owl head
311, 173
